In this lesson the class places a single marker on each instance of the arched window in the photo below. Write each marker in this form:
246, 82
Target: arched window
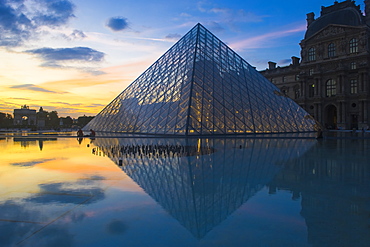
285, 90
331, 88
353, 46
331, 50
312, 54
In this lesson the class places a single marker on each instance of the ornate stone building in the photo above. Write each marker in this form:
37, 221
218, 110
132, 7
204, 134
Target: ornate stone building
24, 116
27, 117
332, 80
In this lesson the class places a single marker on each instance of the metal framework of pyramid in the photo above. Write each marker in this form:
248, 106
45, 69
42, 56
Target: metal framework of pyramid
201, 87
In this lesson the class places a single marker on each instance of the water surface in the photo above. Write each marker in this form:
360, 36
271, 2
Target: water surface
184, 192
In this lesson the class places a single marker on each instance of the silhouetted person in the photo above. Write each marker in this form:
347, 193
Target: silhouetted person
92, 133
80, 133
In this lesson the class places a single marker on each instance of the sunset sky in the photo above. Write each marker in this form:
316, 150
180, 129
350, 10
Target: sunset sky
75, 56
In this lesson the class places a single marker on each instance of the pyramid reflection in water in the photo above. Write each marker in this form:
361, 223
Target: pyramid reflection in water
200, 182
201, 87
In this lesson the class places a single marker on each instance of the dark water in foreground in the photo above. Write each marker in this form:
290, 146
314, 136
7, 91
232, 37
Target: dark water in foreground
178, 192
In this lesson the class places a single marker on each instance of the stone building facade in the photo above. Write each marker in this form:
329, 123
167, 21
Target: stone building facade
25, 116
332, 80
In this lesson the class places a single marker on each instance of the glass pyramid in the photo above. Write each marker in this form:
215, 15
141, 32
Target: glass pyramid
201, 87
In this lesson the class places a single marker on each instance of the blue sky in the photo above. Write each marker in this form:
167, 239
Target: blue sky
75, 56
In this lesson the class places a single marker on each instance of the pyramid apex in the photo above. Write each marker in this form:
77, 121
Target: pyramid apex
199, 25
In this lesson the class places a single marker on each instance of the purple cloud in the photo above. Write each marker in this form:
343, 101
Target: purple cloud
117, 24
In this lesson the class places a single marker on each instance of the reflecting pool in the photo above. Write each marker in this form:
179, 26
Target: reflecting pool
184, 192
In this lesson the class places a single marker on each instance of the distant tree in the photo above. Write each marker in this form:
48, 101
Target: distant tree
52, 119
67, 121
83, 120
6, 120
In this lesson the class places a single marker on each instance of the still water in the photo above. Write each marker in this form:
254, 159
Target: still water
184, 192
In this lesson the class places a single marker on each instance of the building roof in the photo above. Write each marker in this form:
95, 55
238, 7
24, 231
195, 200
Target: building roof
344, 13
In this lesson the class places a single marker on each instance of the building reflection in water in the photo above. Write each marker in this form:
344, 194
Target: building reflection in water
27, 142
200, 182
333, 181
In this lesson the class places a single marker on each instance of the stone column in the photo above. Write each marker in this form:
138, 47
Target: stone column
361, 113
343, 113
366, 82
361, 83
343, 83
317, 88
366, 108
303, 90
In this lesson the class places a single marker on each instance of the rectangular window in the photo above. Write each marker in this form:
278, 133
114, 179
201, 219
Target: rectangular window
354, 86
310, 72
331, 88
297, 77
312, 54
353, 46
331, 50
353, 65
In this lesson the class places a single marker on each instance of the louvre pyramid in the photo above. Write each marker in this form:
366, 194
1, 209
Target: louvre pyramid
201, 87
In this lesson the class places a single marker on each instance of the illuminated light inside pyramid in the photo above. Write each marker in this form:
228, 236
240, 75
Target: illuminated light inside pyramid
201, 87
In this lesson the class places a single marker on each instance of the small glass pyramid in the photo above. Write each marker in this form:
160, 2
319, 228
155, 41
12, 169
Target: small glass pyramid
201, 87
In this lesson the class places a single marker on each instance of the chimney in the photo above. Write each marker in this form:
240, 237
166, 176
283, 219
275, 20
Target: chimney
310, 18
367, 12
272, 65
295, 61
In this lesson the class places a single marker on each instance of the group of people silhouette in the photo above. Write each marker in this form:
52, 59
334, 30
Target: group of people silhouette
152, 150
80, 133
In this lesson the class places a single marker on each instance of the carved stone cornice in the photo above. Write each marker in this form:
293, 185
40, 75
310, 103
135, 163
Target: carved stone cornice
332, 31
329, 31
